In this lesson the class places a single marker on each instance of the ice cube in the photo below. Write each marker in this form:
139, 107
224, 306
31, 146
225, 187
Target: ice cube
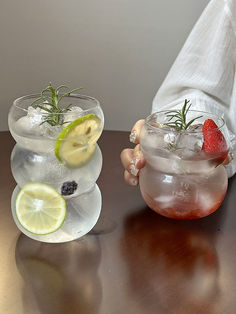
188, 145
165, 201
205, 200
74, 113
31, 123
154, 139
35, 115
50, 131
24, 124
170, 138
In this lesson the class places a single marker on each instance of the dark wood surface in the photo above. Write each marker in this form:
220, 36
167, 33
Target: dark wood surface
133, 261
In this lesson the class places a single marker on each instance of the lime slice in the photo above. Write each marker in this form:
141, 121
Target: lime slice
76, 143
40, 209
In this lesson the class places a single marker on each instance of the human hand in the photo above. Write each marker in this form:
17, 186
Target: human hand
132, 159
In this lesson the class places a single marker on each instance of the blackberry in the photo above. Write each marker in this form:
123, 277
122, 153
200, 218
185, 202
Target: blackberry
68, 187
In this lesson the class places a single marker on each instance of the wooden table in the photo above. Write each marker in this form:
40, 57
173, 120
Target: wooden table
133, 262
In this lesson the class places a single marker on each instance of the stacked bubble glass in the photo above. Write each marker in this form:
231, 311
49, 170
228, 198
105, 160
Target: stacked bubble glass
34, 159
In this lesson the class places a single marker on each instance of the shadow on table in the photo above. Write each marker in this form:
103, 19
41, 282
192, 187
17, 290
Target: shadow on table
172, 264
61, 278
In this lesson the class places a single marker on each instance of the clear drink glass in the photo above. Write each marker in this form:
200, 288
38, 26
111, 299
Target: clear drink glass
41, 155
180, 180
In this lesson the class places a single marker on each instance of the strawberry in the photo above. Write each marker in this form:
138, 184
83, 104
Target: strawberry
214, 142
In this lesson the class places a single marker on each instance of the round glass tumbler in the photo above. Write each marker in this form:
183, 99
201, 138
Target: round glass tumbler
44, 153
181, 179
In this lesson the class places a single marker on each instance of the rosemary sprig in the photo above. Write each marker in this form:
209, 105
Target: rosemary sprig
49, 101
180, 116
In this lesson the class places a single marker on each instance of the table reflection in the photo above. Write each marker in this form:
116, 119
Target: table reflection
172, 264
62, 277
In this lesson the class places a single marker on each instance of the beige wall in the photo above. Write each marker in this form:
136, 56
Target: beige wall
118, 50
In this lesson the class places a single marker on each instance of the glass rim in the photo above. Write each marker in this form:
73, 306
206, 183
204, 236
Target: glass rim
73, 95
188, 131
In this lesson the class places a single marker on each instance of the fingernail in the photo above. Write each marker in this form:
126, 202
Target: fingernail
133, 181
132, 136
135, 161
133, 170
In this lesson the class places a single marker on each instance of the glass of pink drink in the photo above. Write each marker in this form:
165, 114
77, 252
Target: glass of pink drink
184, 176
